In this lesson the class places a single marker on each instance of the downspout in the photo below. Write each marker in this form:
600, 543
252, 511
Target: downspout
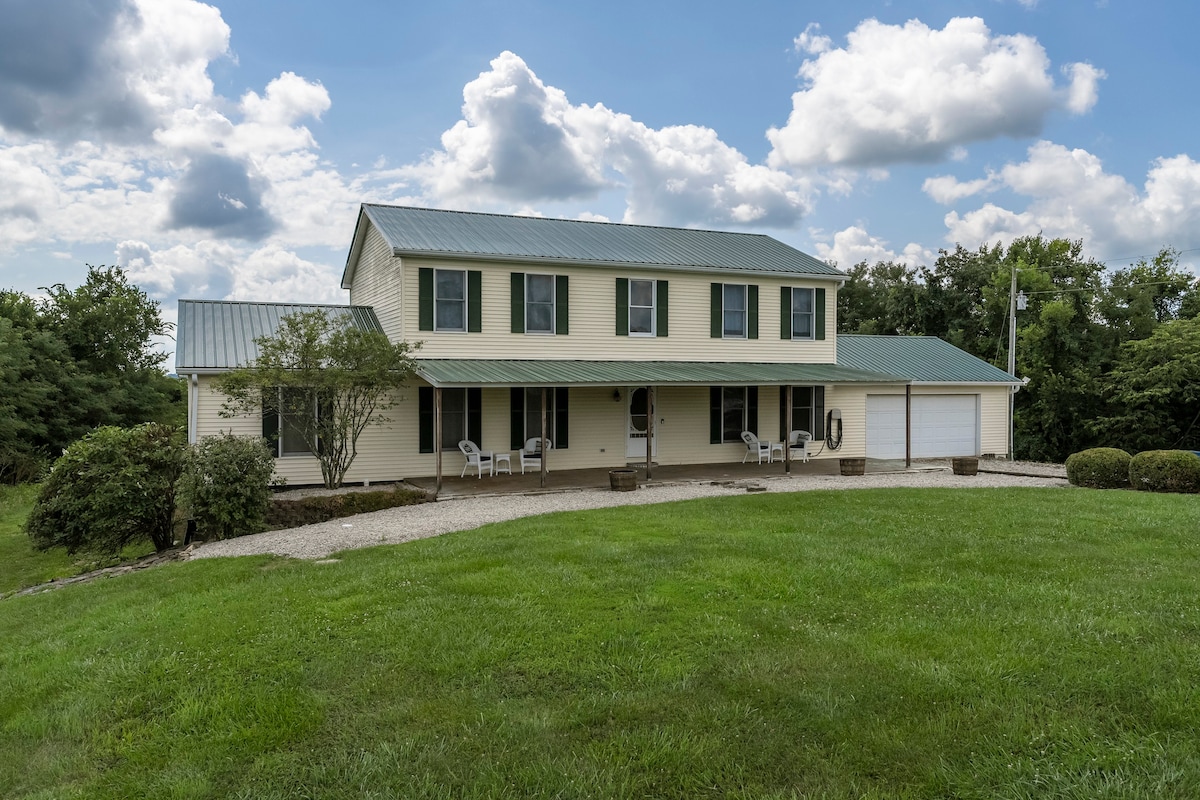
193, 407
908, 425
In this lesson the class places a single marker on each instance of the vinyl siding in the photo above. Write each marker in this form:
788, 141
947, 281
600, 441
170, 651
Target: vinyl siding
377, 284
593, 320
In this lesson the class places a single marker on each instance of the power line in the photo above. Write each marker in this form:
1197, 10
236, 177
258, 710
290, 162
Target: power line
1147, 255
1101, 289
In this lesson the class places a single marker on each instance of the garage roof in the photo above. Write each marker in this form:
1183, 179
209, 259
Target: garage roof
924, 359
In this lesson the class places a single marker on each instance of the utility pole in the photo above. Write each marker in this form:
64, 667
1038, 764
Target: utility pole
1012, 354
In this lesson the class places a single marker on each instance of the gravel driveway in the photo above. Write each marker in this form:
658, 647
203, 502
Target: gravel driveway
432, 519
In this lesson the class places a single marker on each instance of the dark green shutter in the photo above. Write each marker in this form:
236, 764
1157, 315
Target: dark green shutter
475, 415
752, 311
425, 419
818, 398
561, 417
562, 305
752, 409
660, 310
270, 424
516, 425
474, 301
819, 302
622, 306
425, 299
517, 298
716, 327
714, 413
785, 312
784, 427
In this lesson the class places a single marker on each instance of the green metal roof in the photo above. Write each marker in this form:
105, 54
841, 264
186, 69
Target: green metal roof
461, 234
917, 358
220, 334
487, 372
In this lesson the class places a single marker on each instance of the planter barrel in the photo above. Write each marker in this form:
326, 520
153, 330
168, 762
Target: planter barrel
853, 466
966, 465
622, 480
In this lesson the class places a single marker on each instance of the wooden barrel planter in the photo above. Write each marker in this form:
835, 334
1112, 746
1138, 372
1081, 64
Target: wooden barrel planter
622, 480
966, 465
853, 466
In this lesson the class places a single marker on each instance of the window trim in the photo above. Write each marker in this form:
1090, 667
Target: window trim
281, 416
745, 311
466, 300
811, 314
653, 332
553, 303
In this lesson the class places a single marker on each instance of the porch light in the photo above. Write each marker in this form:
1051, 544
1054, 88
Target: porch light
616, 395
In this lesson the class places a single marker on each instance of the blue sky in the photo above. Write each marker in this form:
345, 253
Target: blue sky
221, 151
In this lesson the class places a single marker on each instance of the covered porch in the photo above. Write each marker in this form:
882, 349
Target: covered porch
685, 415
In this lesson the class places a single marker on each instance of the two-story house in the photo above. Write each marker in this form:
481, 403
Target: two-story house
691, 336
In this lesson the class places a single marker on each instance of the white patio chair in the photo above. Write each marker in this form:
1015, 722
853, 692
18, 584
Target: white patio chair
479, 459
799, 440
531, 453
756, 448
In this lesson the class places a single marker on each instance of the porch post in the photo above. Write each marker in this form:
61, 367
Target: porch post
649, 432
437, 437
545, 442
907, 425
787, 432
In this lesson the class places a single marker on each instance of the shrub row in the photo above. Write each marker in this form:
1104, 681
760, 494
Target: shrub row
1151, 471
322, 508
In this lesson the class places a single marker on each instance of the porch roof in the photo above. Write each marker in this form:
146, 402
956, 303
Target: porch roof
489, 372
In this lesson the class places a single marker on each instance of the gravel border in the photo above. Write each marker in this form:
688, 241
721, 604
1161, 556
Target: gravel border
408, 523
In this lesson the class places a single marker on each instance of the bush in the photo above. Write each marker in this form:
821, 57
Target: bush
113, 487
1099, 468
226, 485
321, 508
1165, 471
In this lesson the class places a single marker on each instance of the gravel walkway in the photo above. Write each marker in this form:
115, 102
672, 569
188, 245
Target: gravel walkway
432, 519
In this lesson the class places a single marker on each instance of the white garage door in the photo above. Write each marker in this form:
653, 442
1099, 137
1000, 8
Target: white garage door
942, 425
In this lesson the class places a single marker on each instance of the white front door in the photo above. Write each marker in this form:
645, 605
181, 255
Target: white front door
635, 441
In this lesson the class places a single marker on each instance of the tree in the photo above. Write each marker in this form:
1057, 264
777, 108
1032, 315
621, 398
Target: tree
1154, 391
113, 487
326, 380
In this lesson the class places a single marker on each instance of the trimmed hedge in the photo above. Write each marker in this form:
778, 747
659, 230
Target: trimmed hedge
322, 508
1099, 468
1166, 471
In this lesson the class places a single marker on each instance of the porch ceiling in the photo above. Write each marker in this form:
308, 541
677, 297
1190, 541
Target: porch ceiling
489, 372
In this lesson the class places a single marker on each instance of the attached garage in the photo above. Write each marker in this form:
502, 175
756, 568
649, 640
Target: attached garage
943, 425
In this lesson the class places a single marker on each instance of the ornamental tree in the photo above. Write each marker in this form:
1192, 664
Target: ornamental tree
326, 380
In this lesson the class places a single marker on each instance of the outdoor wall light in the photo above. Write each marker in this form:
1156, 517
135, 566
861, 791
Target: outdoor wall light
616, 395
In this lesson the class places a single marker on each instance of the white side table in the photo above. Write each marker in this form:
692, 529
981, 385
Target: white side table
502, 462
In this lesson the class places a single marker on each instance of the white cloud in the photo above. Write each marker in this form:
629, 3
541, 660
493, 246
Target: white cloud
854, 245
812, 42
900, 93
521, 141
947, 189
1071, 195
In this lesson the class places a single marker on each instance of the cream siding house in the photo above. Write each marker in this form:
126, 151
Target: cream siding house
717, 329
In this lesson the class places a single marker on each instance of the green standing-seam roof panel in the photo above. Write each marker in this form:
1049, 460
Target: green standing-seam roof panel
917, 358
488, 372
220, 334
462, 234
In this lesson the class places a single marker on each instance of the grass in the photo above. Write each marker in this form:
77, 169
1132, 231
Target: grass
866, 644
22, 566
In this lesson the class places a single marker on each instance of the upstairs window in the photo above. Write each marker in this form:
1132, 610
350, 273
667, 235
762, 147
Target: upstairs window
641, 308
733, 311
450, 300
802, 313
539, 303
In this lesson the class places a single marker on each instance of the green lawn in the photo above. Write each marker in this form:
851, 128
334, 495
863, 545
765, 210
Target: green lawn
884, 643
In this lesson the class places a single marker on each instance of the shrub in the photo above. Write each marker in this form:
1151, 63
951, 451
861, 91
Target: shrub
1165, 471
1099, 468
226, 485
113, 487
321, 508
